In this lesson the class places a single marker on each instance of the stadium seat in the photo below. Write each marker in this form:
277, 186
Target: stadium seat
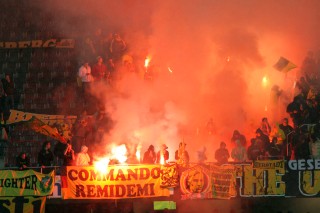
13, 56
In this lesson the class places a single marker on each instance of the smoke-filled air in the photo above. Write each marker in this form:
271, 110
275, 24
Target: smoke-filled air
212, 61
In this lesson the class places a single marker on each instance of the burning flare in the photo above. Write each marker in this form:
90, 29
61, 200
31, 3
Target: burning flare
147, 61
138, 153
102, 165
162, 159
118, 154
264, 81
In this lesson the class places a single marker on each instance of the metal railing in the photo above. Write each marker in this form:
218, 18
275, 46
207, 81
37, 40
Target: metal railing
35, 168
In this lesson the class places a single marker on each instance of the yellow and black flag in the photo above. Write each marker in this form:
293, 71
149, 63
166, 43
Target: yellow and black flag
284, 65
38, 126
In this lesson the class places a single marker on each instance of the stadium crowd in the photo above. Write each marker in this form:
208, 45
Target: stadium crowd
106, 58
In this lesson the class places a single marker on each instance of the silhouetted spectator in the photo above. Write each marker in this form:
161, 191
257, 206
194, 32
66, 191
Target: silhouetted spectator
81, 132
278, 133
253, 150
181, 155
150, 156
239, 153
222, 154
300, 145
8, 87
264, 141
45, 156
294, 110
315, 142
23, 161
286, 128
303, 86
163, 154
117, 47
309, 66
265, 126
68, 156
99, 70
275, 151
288, 132
59, 149
238, 136
86, 80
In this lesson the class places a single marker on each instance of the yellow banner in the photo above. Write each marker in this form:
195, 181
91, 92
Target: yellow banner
118, 182
263, 178
25, 183
223, 180
18, 116
22, 204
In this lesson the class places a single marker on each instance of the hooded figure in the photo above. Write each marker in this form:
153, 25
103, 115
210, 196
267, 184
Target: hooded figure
238, 136
263, 139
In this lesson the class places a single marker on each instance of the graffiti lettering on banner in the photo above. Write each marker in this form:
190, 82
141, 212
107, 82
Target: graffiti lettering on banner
18, 116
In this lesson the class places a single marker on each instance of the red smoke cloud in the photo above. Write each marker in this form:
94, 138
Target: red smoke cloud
219, 52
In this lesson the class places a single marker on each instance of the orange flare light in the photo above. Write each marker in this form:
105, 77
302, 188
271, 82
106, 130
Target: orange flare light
138, 153
146, 62
120, 153
102, 165
162, 159
264, 81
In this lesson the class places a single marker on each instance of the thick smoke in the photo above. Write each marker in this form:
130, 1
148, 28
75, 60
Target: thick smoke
218, 52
